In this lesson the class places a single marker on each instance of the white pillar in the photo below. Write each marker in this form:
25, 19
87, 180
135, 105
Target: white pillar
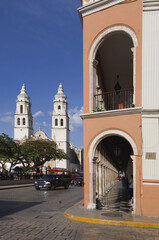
100, 180
97, 178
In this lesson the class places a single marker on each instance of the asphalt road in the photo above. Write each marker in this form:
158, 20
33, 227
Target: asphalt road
28, 214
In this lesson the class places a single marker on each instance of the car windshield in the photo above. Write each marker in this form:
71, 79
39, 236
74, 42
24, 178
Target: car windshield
48, 177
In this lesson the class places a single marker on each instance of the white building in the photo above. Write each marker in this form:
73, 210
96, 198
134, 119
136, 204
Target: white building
23, 120
60, 125
23, 128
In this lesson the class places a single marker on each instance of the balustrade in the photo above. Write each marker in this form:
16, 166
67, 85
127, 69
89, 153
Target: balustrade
114, 100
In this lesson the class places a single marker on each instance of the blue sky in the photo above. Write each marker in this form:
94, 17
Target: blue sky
41, 46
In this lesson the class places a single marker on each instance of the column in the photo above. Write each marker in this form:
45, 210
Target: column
97, 177
100, 180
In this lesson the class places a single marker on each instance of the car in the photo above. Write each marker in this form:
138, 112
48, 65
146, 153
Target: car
77, 181
51, 181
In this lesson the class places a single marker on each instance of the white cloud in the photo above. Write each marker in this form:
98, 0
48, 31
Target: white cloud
50, 113
37, 114
44, 124
75, 119
8, 113
7, 119
41, 124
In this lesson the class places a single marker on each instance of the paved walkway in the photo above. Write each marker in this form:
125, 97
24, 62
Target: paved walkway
78, 213
9, 184
105, 215
117, 211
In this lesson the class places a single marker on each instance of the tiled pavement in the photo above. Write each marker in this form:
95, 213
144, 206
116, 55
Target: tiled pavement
45, 224
117, 210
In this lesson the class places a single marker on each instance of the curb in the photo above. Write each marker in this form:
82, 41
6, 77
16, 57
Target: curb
15, 186
108, 222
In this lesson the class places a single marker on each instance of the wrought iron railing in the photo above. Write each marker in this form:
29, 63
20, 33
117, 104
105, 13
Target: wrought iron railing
114, 100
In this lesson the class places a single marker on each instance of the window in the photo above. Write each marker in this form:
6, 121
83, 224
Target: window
61, 122
18, 121
23, 121
21, 108
56, 122
59, 107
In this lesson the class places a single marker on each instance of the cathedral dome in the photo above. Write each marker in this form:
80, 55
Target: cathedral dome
23, 95
60, 96
40, 135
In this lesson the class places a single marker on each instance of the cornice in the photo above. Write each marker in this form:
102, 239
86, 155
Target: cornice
97, 6
111, 113
150, 113
150, 5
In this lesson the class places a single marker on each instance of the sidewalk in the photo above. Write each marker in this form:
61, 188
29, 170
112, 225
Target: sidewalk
78, 213
9, 184
103, 216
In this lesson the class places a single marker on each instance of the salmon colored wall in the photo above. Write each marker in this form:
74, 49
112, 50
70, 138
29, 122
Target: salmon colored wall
150, 200
130, 124
139, 185
128, 14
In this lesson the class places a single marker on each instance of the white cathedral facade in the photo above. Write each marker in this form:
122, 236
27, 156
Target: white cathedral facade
60, 133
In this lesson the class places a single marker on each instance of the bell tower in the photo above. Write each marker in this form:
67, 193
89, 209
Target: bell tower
23, 120
60, 124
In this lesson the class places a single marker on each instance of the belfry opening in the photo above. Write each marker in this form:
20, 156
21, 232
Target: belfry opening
113, 173
113, 73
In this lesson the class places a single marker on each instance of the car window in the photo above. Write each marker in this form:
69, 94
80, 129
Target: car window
48, 177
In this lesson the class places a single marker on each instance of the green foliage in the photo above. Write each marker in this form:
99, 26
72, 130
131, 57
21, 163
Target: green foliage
9, 150
7, 146
37, 152
31, 153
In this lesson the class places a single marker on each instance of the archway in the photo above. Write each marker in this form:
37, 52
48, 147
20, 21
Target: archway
112, 70
111, 154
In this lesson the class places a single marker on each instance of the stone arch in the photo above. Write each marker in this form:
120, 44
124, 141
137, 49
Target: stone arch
107, 133
93, 63
92, 150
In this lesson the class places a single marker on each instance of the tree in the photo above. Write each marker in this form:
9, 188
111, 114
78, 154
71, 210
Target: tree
36, 152
9, 151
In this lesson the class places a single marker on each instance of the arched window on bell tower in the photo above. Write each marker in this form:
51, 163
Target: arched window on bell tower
21, 108
61, 122
18, 121
59, 107
56, 122
23, 121
23, 126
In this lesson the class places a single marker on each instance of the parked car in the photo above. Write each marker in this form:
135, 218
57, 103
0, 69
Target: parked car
77, 181
51, 181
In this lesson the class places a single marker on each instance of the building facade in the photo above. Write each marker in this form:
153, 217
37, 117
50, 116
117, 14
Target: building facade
60, 124
23, 128
23, 120
121, 101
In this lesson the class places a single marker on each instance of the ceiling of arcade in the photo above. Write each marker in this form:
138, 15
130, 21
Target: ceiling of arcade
119, 150
115, 62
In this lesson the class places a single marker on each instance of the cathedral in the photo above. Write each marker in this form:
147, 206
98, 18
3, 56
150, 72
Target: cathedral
60, 133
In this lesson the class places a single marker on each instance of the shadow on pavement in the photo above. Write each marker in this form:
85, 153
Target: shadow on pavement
10, 207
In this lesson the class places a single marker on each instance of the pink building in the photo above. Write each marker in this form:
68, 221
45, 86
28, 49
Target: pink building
121, 100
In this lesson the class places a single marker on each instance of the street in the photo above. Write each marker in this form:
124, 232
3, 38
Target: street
28, 214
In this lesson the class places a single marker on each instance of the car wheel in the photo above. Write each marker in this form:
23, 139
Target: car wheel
66, 186
75, 183
53, 187
37, 188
